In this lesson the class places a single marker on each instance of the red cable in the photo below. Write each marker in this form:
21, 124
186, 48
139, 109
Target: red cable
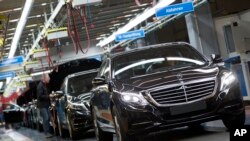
69, 26
45, 45
72, 27
84, 20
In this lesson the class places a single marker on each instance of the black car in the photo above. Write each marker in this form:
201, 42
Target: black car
13, 113
73, 107
162, 86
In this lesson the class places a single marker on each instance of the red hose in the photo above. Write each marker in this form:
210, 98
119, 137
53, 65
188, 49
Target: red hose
45, 45
72, 28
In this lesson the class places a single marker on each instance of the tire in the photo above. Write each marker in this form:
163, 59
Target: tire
121, 134
100, 135
72, 133
235, 121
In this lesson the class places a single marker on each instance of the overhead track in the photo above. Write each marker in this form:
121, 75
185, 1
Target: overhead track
136, 21
47, 25
161, 22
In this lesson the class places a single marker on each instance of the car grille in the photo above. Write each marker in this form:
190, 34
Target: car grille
182, 93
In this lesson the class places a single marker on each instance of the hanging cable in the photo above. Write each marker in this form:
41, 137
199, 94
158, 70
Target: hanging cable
72, 14
45, 45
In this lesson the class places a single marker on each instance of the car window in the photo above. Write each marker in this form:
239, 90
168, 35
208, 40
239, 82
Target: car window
80, 84
154, 60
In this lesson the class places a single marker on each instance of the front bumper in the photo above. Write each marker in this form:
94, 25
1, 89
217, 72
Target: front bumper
150, 118
80, 120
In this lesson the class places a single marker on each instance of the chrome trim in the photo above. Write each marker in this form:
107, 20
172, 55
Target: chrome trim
181, 84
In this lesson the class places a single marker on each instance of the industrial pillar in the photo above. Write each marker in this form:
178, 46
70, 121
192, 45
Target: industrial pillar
201, 30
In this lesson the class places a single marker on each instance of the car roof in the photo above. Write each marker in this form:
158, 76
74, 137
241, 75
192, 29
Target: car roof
82, 73
147, 47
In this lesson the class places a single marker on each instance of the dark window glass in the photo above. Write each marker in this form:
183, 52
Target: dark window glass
156, 59
80, 84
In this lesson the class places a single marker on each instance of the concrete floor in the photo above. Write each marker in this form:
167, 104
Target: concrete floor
211, 131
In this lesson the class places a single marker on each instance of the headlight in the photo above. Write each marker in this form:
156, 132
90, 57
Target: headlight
133, 98
226, 80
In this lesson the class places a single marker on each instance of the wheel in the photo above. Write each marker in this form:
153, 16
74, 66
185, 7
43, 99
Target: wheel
60, 129
235, 121
100, 135
72, 133
120, 132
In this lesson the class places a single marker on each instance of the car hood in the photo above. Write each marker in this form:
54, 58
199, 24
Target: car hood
164, 78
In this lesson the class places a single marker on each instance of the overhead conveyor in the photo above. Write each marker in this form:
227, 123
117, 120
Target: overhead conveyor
152, 26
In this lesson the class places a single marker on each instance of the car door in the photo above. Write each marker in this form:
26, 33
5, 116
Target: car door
101, 95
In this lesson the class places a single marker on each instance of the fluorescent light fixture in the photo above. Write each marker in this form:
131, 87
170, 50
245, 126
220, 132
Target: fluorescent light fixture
20, 26
6, 48
32, 25
137, 20
43, 4
14, 20
17, 9
40, 73
10, 34
12, 29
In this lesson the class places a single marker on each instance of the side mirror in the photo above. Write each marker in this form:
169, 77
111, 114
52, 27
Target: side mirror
215, 58
98, 81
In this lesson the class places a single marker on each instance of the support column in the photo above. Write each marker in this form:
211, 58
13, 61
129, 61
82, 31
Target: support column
201, 30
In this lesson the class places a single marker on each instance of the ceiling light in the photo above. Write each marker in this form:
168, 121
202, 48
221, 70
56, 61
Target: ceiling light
26, 42
12, 29
40, 73
14, 20
128, 15
137, 20
43, 4
17, 9
20, 27
6, 48
38, 16
32, 25
10, 34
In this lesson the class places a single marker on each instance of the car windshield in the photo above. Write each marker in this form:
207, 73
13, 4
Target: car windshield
158, 59
80, 84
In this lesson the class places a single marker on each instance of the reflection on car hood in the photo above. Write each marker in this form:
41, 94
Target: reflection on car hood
164, 78
80, 98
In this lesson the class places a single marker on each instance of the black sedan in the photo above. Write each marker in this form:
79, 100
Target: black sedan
72, 105
162, 86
